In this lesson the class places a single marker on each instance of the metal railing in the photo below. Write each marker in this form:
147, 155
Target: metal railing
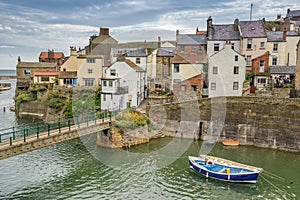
34, 130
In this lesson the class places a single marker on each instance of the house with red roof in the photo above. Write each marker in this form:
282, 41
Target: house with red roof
52, 57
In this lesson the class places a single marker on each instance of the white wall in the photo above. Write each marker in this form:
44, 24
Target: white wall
224, 60
210, 46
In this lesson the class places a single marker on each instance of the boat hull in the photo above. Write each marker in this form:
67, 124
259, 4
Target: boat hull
250, 177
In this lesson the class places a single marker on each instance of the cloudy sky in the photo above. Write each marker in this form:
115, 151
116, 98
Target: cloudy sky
29, 27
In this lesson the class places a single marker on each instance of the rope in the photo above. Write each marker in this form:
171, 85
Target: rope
274, 176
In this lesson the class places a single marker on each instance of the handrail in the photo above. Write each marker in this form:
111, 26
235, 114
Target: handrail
23, 131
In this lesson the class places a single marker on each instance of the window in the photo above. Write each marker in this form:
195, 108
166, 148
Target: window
248, 61
138, 60
176, 81
157, 85
236, 70
26, 71
216, 46
215, 70
274, 61
90, 60
176, 68
235, 85
249, 44
261, 80
262, 45
182, 48
64, 69
45, 78
275, 47
104, 83
200, 48
194, 88
232, 45
193, 49
113, 72
183, 88
110, 83
236, 58
89, 82
261, 66
213, 86
90, 71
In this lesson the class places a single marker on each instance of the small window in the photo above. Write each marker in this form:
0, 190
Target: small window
176, 68
110, 83
45, 78
236, 58
183, 88
248, 61
275, 47
90, 60
26, 71
235, 85
232, 45
157, 85
200, 48
194, 88
138, 60
213, 86
193, 49
90, 71
176, 81
216, 47
215, 70
182, 48
274, 61
262, 80
104, 83
236, 70
64, 69
249, 44
261, 66
113, 72
262, 45
89, 82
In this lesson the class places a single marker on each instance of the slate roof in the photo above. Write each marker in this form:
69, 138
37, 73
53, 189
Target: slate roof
282, 69
35, 65
275, 36
166, 51
252, 29
224, 32
191, 39
130, 52
134, 66
293, 13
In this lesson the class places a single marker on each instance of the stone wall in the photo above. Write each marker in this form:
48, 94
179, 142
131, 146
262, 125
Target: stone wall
260, 121
33, 109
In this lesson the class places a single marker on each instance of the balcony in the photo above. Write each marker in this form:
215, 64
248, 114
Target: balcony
115, 90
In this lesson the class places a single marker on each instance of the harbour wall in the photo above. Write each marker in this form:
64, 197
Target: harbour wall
259, 121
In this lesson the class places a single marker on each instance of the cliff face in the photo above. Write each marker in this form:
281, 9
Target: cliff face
265, 122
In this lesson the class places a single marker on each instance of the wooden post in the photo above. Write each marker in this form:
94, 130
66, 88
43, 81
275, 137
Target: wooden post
48, 129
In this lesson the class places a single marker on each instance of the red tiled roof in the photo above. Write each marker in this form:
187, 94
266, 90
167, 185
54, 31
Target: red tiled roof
49, 73
56, 55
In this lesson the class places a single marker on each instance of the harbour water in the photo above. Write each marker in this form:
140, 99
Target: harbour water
72, 170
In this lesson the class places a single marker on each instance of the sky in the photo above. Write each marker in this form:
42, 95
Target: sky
29, 27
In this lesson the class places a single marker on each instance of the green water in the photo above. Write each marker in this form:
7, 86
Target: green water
70, 171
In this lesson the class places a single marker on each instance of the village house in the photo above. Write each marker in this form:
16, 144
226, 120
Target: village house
159, 68
101, 45
52, 56
123, 86
187, 67
26, 71
226, 72
260, 69
47, 77
253, 40
81, 70
218, 35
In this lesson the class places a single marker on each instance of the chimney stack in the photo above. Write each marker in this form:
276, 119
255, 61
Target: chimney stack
19, 59
208, 26
158, 42
104, 31
284, 34
288, 11
73, 51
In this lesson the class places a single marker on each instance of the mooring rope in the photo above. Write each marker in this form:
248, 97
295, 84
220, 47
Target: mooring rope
274, 176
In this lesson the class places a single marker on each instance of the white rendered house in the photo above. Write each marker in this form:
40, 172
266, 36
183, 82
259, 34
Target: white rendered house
123, 86
226, 73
